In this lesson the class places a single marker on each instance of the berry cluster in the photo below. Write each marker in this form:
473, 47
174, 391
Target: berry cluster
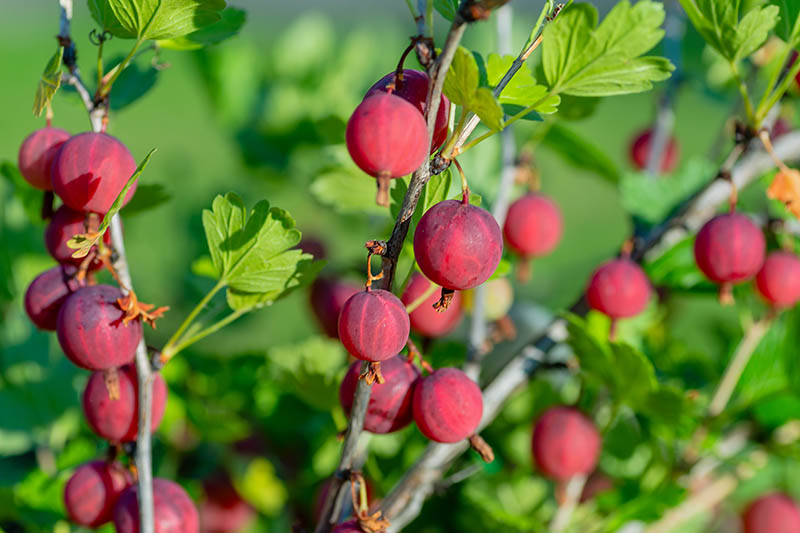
87, 172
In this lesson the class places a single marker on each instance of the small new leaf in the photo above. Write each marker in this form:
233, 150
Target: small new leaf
583, 59
462, 87
48, 83
487, 108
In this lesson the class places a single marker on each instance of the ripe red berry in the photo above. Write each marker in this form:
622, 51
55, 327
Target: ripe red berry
65, 224
387, 138
91, 331
117, 420
328, 296
90, 171
173, 510
640, 152
47, 292
37, 153
772, 513
93, 490
223, 510
389, 407
778, 281
426, 320
618, 288
373, 325
447, 405
729, 248
457, 245
414, 89
533, 225
565, 443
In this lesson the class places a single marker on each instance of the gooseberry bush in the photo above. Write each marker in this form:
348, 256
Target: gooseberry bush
545, 336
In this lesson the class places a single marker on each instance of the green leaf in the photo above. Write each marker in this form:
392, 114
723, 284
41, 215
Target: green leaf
229, 25
719, 24
583, 59
446, 8
347, 190
462, 78
788, 26
522, 89
510, 110
155, 19
30, 198
83, 243
634, 374
580, 152
133, 83
147, 197
677, 269
48, 83
305, 270
487, 108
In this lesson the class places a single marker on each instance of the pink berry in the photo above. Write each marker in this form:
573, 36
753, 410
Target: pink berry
729, 248
173, 510
414, 89
91, 331
389, 407
533, 225
565, 443
47, 293
778, 281
117, 420
640, 152
65, 224
90, 171
37, 153
93, 490
457, 245
447, 405
426, 320
772, 513
373, 325
618, 288
328, 296
387, 138
223, 510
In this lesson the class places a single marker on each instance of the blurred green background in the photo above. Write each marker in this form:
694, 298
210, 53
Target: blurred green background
263, 115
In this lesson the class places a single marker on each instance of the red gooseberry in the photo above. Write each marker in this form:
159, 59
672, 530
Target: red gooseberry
373, 325
447, 405
565, 443
426, 320
36, 156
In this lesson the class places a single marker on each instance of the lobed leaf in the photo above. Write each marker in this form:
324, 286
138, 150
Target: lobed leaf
230, 23
48, 83
155, 19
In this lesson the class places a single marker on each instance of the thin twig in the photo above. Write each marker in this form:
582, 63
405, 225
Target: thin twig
572, 494
143, 457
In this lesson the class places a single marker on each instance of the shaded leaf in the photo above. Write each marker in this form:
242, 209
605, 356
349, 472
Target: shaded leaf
48, 83
446, 8
229, 25
347, 191
148, 196
580, 152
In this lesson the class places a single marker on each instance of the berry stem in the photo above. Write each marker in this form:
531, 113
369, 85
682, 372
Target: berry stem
169, 348
464, 184
398, 72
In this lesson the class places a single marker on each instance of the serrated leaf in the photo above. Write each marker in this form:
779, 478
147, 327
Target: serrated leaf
303, 274
155, 19
580, 152
229, 25
487, 108
462, 79
446, 8
48, 83
583, 59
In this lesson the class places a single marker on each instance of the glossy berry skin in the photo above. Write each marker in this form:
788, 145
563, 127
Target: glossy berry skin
772, 513
426, 320
90, 171
618, 288
118, 420
389, 407
173, 510
447, 405
373, 325
65, 224
533, 225
565, 443
457, 245
387, 135
93, 490
35, 158
328, 296
47, 293
640, 151
223, 510
414, 90
91, 332
729, 248
778, 281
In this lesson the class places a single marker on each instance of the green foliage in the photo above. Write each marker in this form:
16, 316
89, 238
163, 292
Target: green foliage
253, 255
30, 198
48, 83
522, 89
132, 84
155, 19
788, 26
720, 24
312, 368
583, 59
148, 196
462, 87
580, 152
446, 8
436, 190
227, 26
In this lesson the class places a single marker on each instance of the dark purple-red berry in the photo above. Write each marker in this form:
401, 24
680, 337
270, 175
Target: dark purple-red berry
778, 281
36, 156
447, 405
91, 331
173, 510
65, 224
328, 296
389, 407
47, 293
93, 490
565, 443
373, 325
457, 245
